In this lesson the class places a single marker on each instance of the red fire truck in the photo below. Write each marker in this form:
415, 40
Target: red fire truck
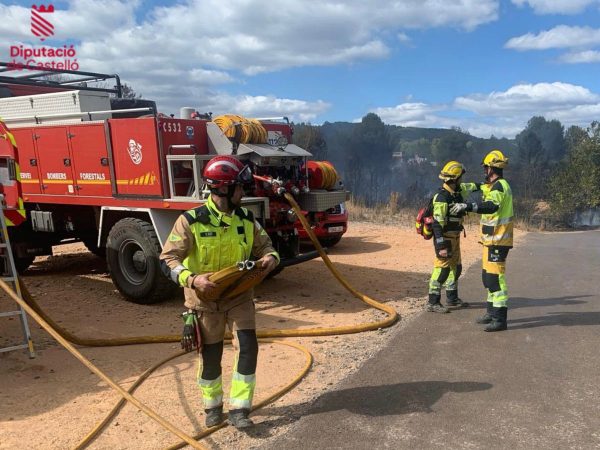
115, 174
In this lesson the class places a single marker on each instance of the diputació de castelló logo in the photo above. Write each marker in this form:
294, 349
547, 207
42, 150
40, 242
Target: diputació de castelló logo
45, 56
40, 22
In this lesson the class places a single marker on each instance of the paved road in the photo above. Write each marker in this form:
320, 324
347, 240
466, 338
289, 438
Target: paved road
444, 383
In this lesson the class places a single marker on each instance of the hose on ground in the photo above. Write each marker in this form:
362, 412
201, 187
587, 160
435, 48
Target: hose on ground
126, 395
66, 338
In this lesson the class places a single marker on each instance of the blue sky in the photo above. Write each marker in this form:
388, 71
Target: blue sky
486, 66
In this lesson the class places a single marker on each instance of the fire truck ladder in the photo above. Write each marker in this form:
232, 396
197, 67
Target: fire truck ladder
9, 275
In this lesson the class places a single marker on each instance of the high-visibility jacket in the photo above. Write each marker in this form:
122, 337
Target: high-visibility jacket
205, 240
497, 227
444, 223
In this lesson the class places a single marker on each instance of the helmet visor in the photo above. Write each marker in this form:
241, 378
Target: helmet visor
245, 175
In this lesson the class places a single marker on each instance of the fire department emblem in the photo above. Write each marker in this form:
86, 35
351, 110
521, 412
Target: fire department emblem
40, 25
135, 151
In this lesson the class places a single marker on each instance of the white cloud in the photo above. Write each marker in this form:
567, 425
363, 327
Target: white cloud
562, 36
410, 114
183, 53
503, 114
588, 56
88, 19
204, 99
255, 37
179, 53
528, 99
403, 38
15, 22
557, 6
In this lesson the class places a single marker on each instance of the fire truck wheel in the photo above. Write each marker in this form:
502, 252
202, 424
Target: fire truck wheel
92, 246
132, 252
21, 264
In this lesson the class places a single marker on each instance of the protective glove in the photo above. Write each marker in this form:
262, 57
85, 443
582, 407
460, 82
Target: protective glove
457, 208
443, 248
190, 338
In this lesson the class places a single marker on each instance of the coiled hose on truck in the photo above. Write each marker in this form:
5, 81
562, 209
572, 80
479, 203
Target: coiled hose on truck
67, 339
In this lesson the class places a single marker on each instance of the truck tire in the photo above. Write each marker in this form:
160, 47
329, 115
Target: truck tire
23, 263
132, 252
92, 246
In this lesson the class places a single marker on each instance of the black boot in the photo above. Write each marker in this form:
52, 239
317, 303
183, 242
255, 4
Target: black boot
214, 416
239, 418
498, 322
434, 304
453, 300
487, 317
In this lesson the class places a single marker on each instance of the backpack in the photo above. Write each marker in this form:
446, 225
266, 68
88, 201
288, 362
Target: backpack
424, 222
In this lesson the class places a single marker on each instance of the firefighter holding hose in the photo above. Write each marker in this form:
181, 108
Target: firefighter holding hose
204, 240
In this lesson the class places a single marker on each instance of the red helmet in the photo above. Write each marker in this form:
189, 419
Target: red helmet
226, 171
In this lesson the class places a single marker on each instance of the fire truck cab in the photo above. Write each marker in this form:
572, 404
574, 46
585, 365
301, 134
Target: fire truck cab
81, 163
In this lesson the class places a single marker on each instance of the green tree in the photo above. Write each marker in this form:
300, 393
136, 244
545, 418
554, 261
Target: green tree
128, 92
452, 145
369, 158
310, 138
575, 186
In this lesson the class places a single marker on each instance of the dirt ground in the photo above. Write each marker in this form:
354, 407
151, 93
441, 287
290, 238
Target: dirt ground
53, 401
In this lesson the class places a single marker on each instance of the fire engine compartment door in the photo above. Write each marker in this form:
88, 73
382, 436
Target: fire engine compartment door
28, 161
136, 157
90, 158
56, 161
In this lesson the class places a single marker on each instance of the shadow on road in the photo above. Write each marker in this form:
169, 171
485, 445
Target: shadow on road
521, 302
384, 400
565, 319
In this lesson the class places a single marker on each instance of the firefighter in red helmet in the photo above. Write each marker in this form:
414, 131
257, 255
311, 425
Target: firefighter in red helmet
204, 240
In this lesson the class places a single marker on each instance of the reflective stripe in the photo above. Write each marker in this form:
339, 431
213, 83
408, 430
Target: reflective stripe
434, 284
176, 272
486, 239
183, 277
451, 283
212, 392
497, 221
242, 390
499, 299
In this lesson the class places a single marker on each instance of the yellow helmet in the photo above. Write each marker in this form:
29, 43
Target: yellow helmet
495, 158
452, 171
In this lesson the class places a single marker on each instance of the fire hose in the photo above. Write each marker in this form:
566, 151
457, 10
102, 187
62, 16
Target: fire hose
67, 339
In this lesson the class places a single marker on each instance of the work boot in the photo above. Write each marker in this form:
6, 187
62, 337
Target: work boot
239, 418
436, 307
214, 416
498, 322
453, 300
487, 317
434, 304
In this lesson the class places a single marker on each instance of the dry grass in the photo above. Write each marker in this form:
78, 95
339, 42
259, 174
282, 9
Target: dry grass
387, 214
392, 213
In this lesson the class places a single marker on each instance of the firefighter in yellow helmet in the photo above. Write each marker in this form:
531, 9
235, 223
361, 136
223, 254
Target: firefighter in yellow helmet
447, 227
205, 240
496, 209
